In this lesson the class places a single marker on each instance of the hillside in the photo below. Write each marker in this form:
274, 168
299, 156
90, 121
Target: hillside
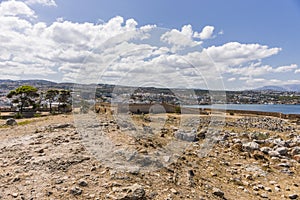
250, 158
291, 87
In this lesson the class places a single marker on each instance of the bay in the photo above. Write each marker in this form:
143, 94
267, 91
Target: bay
282, 108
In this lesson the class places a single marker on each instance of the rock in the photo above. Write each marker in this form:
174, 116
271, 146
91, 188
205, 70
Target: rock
82, 183
59, 126
293, 196
268, 189
186, 136
272, 182
297, 158
279, 142
264, 195
258, 155
15, 195
282, 151
251, 146
76, 191
174, 191
11, 122
134, 192
287, 165
260, 186
265, 150
295, 151
218, 192
274, 153
255, 188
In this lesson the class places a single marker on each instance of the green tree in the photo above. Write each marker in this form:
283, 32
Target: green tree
24, 95
51, 96
64, 98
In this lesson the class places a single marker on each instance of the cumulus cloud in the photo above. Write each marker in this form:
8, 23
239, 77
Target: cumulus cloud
180, 39
206, 33
41, 2
297, 71
15, 8
120, 51
286, 68
234, 53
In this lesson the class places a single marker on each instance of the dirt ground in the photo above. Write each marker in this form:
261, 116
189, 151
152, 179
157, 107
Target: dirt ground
249, 157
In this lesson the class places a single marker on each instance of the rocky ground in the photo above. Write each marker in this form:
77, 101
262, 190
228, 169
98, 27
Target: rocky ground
245, 157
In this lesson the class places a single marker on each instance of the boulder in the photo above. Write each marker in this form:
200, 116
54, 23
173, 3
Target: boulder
11, 122
282, 150
273, 154
265, 150
185, 135
251, 146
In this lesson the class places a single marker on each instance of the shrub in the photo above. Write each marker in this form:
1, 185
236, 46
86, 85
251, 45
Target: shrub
177, 109
37, 115
18, 116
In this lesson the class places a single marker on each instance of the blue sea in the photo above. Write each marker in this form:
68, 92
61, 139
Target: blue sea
282, 108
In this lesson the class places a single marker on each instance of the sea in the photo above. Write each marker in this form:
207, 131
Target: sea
282, 108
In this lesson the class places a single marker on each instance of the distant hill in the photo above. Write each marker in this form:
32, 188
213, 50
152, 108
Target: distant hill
283, 88
41, 84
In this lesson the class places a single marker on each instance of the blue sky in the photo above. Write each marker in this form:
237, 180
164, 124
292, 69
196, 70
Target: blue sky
265, 34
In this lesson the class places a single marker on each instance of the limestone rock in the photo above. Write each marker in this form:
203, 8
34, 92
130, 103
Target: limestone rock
251, 146
282, 150
293, 196
218, 192
11, 122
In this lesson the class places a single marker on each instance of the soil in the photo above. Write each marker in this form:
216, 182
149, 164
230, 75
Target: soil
52, 158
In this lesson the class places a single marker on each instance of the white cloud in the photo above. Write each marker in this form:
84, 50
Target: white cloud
231, 79
234, 53
286, 68
206, 33
180, 39
15, 8
41, 2
119, 51
297, 71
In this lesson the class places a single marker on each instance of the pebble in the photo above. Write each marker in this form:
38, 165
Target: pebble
76, 191
274, 154
268, 189
282, 151
273, 182
82, 183
251, 146
15, 195
218, 192
277, 189
295, 151
265, 150
293, 196
264, 195
287, 165
174, 191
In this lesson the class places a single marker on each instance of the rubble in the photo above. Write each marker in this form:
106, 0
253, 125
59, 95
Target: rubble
245, 161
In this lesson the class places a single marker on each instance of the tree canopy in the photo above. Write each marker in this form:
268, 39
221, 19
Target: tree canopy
51, 96
24, 95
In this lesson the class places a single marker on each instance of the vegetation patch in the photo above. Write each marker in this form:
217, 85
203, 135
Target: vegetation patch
23, 123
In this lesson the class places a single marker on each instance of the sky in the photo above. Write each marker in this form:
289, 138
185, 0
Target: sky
208, 44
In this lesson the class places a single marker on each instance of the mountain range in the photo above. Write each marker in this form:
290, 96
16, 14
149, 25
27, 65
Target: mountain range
49, 84
283, 88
